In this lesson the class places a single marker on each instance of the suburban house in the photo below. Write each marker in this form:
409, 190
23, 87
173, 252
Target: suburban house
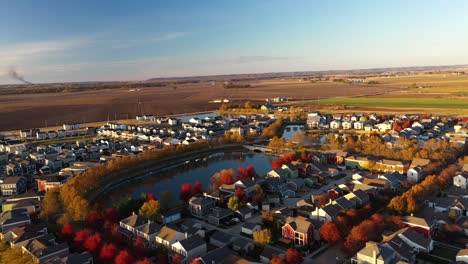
291, 170
200, 206
13, 185
407, 243
148, 232
220, 239
244, 213
43, 250
418, 224
130, 224
242, 245
219, 215
249, 228
167, 236
460, 180
335, 124
387, 165
14, 218
278, 173
326, 213
268, 252
357, 162
415, 172
376, 254
189, 248
462, 256
47, 182
299, 230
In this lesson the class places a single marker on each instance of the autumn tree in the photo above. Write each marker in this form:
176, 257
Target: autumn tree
68, 232
110, 215
293, 256
222, 177
329, 232
240, 193
51, 205
275, 259
81, 236
150, 197
139, 247
93, 243
197, 188
196, 261
150, 209
108, 253
123, 257
143, 261
233, 203
93, 219
185, 192
262, 237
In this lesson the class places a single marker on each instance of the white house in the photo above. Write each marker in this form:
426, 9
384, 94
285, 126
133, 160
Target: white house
462, 255
347, 124
358, 125
168, 236
415, 174
190, 248
249, 227
335, 124
460, 180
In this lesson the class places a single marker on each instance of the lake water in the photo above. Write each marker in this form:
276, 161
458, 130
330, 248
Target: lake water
194, 171
289, 131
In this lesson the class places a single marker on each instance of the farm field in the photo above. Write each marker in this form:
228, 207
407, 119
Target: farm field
33, 108
399, 102
52, 109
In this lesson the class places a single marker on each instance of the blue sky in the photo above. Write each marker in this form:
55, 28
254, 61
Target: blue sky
56, 40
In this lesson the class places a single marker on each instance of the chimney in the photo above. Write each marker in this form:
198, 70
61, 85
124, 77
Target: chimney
374, 257
186, 234
133, 213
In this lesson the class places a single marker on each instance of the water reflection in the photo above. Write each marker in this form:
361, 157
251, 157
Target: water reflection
200, 170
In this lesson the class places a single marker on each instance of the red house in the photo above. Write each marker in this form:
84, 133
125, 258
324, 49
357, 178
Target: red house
299, 230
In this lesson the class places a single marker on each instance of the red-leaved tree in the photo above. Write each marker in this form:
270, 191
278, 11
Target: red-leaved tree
150, 197
275, 259
143, 261
108, 253
81, 236
185, 192
93, 243
329, 232
123, 257
68, 232
93, 220
240, 193
293, 256
197, 188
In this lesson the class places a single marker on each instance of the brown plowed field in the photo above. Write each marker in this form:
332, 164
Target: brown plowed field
36, 109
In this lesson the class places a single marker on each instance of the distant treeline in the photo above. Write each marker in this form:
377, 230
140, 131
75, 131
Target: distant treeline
76, 87
232, 85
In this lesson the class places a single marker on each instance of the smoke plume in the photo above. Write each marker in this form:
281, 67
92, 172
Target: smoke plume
15, 75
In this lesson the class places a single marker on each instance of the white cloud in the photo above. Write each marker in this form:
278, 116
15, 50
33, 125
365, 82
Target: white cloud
26, 52
169, 36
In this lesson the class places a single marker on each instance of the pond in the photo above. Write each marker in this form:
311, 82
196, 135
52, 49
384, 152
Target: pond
289, 131
200, 170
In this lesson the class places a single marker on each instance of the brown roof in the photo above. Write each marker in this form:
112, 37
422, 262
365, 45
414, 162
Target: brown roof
299, 224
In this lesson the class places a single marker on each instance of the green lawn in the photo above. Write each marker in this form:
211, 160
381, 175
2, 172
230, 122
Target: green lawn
398, 102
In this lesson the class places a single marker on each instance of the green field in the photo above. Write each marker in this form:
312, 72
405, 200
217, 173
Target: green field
397, 102
436, 79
